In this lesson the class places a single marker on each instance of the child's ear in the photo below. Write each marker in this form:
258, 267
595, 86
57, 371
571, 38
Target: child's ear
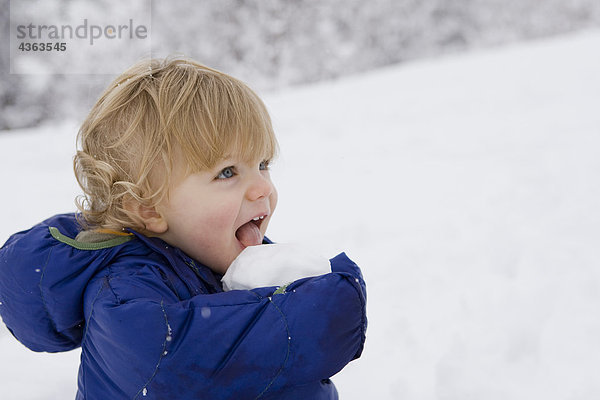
152, 219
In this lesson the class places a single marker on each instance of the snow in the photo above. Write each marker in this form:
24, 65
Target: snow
465, 187
273, 265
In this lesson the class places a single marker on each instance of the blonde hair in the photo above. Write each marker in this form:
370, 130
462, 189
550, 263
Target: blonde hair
156, 109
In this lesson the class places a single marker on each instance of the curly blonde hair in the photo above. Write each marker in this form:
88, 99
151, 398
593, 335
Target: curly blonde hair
157, 110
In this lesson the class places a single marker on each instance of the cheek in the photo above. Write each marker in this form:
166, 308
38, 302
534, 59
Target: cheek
222, 218
208, 235
273, 199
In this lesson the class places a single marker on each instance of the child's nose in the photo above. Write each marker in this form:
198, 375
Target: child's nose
260, 187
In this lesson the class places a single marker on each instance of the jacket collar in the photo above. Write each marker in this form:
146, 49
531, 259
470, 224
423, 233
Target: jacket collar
189, 270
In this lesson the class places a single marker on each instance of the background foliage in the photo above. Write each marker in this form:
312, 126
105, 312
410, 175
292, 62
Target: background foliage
274, 43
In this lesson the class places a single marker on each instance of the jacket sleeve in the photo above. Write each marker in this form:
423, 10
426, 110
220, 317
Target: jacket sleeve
238, 344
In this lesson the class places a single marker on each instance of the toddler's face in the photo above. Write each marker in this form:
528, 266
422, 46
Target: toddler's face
213, 215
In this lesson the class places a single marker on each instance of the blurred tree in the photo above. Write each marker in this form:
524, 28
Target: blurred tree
20, 104
276, 43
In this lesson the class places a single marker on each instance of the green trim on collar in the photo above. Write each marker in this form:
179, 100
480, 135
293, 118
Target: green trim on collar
88, 246
281, 289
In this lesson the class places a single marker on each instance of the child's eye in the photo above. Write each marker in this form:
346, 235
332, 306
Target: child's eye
264, 165
226, 173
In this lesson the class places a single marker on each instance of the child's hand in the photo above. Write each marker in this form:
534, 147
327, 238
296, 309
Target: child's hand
273, 265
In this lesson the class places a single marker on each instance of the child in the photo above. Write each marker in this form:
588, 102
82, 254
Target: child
174, 164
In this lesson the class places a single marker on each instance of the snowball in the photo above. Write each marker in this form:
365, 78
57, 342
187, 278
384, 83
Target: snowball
273, 265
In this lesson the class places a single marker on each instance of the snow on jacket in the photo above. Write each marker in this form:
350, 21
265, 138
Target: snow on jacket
155, 324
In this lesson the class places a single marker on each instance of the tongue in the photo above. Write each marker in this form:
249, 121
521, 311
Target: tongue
249, 235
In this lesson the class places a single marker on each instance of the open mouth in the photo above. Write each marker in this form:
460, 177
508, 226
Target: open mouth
249, 234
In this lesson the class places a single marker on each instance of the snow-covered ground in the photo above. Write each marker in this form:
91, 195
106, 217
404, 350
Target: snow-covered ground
467, 189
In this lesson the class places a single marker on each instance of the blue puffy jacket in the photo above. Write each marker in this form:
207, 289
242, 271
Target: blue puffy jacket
155, 324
